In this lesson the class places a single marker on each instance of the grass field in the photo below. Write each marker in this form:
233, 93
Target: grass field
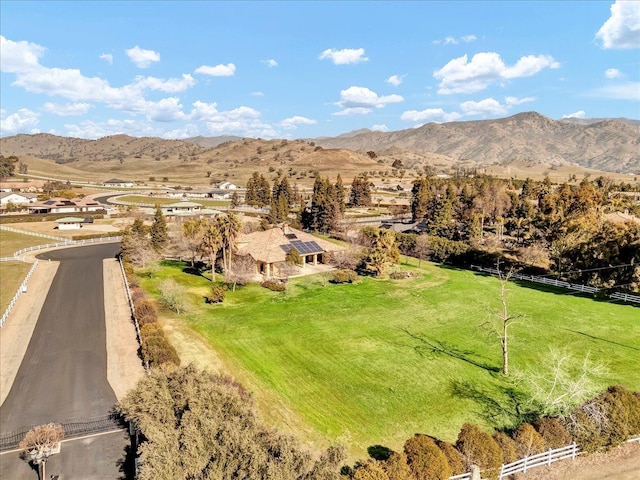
167, 201
377, 361
11, 276
12, 242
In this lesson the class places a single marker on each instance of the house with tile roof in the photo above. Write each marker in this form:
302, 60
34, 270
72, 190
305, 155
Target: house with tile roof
269, 249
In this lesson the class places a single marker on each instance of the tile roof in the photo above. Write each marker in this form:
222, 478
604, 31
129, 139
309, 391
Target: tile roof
271, 246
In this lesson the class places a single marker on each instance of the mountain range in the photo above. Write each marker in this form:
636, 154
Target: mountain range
529, 138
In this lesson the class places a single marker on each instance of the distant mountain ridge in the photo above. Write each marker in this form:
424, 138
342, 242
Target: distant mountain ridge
528, 138
609, 145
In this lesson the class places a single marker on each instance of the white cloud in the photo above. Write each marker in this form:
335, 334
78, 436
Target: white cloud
449, 40
293, 122
165, 110
518, 101
270, 63
107, 57
394, 80
172, 85
68, 110
485, 68
623, 91
353, 111
578, 114
437, 115
141, 57
612, 73
380, 128
19, 57
488, 106
622, 28
217, 71
24, 120
257, 94
243, 121
361, 100
344, 56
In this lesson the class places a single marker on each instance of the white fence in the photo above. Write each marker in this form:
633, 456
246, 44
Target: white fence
131, 305
539, 460
21, 289
16, 257
33, 234
625, 297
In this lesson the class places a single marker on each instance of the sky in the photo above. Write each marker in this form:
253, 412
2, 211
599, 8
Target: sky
308, 69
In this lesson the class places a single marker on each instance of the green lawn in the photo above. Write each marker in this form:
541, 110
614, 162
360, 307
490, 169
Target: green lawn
168, 201
377, 361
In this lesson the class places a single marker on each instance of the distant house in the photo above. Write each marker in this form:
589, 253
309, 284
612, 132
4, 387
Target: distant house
269, 249
117, 183
227, 186
69, 223
17, 198
64, 205
220, 193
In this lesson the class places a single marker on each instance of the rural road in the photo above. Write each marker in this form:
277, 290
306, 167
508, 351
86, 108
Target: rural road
63, 375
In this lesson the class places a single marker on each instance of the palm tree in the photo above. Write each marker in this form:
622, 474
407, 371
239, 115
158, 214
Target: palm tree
211, 243
229, 226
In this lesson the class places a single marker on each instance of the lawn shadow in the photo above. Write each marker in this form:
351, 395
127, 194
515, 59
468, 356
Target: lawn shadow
602, 339
438, 347
503, 406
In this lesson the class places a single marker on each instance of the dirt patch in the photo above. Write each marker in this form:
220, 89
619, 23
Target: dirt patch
621, 463
124, 368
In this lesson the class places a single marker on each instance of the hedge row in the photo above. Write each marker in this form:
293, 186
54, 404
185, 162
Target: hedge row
599, 424
155, 347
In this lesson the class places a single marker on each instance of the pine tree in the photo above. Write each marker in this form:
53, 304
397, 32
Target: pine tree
158, 230
339, 193
420, 196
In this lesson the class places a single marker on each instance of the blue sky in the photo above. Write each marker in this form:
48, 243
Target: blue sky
308, 69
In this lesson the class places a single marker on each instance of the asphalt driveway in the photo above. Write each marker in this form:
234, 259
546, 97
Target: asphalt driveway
63, 375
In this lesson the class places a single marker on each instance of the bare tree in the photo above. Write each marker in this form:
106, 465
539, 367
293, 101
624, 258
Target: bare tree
503, 319
39, 443
561, 382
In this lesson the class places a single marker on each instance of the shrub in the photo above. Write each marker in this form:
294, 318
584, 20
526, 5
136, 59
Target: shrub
145, 312
400, 275
479, 448
397, 468
454, 457
371, 470
344, 276
528, 441
156, 349
553, 432
425, 459
507, 445
274, 285
172, 295
217, 294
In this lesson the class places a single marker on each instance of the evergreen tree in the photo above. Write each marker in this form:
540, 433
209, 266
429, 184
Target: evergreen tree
360, 195
339, 193
420, 196
158, 231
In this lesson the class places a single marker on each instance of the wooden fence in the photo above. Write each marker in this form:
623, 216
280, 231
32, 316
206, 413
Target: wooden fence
577, 287
540, 460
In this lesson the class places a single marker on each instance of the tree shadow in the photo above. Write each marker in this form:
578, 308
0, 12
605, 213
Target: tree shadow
436, 347
379, 452
504, 407
602, 339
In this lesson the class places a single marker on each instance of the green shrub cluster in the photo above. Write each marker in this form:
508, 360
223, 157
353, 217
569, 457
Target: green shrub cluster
154, 345
274, 285
217, 294
344, 276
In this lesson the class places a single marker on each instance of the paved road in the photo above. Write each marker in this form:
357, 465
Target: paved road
63, 375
